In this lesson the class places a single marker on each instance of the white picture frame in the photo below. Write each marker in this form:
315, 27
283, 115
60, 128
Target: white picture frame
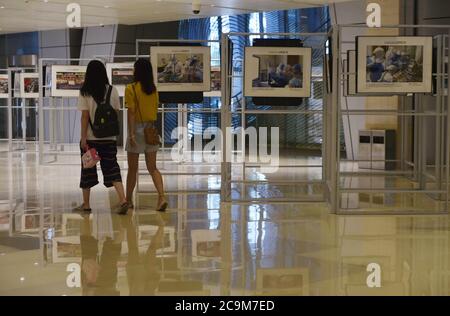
178, 76
117, 75
381, 67
64, 84
28, 85
58, 254
4, 86
260, 62
216, 83
206, 244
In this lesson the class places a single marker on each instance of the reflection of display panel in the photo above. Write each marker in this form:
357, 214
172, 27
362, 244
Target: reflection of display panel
4, 221
206, 244
282, 281
351, 70
66, 249
165, 245
4, 86
216, 83
277, 72
67, 80
119, 75
394, 64
182, 69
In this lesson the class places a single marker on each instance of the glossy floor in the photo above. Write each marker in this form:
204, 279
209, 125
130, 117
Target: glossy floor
203, 247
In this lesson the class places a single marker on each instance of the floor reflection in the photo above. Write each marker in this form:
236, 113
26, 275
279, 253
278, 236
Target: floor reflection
202, 247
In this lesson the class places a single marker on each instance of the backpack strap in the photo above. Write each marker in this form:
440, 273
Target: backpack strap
108, 95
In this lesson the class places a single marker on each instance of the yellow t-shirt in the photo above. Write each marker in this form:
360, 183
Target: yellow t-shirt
148, 104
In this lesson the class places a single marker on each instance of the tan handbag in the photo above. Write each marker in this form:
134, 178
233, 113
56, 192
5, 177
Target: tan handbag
151, 133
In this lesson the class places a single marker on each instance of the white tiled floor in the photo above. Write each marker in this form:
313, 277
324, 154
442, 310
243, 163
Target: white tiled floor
202, 246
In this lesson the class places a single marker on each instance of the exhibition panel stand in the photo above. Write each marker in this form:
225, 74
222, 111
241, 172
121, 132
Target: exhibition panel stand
22, 101
53, 132
404, 170
185, 167
230, 80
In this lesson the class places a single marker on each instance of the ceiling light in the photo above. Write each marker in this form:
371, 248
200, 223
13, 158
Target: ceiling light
36, 263
106, 6
2, 7
22, 279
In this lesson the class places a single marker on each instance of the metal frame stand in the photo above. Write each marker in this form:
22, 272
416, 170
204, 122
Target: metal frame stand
422, 183
228, 111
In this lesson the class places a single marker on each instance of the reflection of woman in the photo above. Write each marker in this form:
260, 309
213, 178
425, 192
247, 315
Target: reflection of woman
142, 270
99, 271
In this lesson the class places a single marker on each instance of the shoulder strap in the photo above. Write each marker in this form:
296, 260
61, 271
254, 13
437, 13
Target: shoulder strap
108, 96
136, 101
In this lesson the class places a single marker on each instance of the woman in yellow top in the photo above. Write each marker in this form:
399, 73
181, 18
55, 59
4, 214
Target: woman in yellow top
141, 99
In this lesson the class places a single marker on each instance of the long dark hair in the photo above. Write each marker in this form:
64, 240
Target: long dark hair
95, 81
143, 73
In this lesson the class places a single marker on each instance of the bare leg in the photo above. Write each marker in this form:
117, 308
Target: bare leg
86, 198
133, 166
150, 159
120, 192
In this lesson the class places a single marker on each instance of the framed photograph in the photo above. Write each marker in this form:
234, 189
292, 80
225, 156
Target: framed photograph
294, 281
182, 69
28, 85
277, 72
206, 244
66, 249
4, 91
351, 70
120, 74
394, 65
216, 83
67, 80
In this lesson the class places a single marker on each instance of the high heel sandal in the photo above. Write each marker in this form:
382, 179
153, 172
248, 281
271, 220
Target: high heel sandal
162, 206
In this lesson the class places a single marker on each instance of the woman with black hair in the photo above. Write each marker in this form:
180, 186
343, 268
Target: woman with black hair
142, 100
96, 90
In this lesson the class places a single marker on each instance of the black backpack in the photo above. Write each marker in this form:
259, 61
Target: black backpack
106, 120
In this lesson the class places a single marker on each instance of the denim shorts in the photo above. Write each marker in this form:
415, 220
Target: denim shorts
141, 146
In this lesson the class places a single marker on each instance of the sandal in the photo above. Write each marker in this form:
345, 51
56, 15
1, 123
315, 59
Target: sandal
81, 209
123, 209
162, 206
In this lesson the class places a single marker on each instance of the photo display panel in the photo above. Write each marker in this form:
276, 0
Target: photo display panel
29, 85
277, 72
120, 75
182, 68
394, 65
67, 80
4, 90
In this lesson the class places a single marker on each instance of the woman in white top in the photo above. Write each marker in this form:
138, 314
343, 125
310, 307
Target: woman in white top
96, 90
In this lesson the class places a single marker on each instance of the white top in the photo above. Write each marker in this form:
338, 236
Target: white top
89, 104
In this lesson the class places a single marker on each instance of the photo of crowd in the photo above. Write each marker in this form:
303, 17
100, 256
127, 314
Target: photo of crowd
69, 80
122, 76
180, 68
3, 85
279, 71
394, 64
